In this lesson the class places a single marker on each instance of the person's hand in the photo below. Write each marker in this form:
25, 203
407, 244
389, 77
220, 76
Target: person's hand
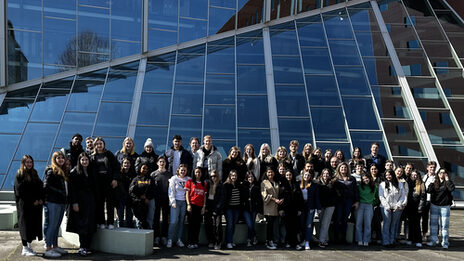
114, 183
203, 210
147, 201
281, 213
173, 206
40, 202
446, 177
319, 211
189, 208
356, 205
36, 203
298, 213
76, 207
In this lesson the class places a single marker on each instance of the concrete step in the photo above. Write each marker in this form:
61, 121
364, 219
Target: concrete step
8, 217
7, 196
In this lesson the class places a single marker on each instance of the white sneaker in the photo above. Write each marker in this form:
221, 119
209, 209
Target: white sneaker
298, 247
418, 245
60, 250
229, 246
27, 251
110, 227
210, 245
169, 244
51, 253
249, 243
102, 226
180, 243
431, 244
307, 247
366, 244
445, 247
360, 243
217, 247
191, 246
287, 246
270, 245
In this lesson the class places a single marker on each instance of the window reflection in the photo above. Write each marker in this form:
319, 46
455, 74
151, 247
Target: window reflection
158, 136
112, 119
120, 85
220, 89
287, 69
364, 139
316, 61
295, 129
219, 122
49, 105
291, 100
9, 143
311, 34
329, 124
390, 103
256, 137
352, 81
221, 19
188, 99
37, 141
440, 127
452, 158
158, 77
74, 122
185, 126
322, 96
360, 113
251, 79
154, 109
252, 105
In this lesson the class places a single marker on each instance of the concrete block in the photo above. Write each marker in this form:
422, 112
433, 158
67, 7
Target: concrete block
8, 217
7, 196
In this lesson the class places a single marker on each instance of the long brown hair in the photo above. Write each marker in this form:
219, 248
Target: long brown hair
28, 175
57, 170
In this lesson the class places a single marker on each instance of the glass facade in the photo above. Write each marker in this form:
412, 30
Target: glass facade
340, 77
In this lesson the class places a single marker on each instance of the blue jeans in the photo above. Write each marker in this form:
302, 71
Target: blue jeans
151, 213
364, 216
250, 219
232, 215
54, 213
442, 213
177, 219
307, 218
390, 222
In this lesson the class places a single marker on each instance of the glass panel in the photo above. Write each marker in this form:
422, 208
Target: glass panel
158, 77
392, 11
24, 14
93, 29
390, 102
255, 137
74, 122
360, 113
439, 127
400, 131
380, 71
452, 83
295, 129
404, 148
37, 141
220, 89
318, 95
190, 68
194, 8
9, 143
329, 124
120, 86
316, 60
425, 92
363, 20
49, 105
223, 146
221, 20
220, 122
250, 51
112, 119
434, 49
86, 94
121, 49
364, 139
126, 19
344, 52
371, 44
452, 159
220, 59
287, 69
250, 12
413, 62
338, 27
403, 36
458, 106
311, 35
162, 14
101, 3
25, 56
85, 59
13, 114
62, 9
60, 42
60, 84
352, 81
284, 42
252, 105
161, 38
9, 181
186, 127
344, 147
154, 109
191, 29
425, 26
188, 99
457, 40
449, 21
29, 93
251, 80
113, 144
157, 135
291, 100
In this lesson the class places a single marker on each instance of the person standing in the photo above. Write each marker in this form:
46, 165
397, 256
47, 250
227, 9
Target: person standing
253, 204
177, 155
161, 178
328, 197
83, 191
125, 214
196, 206
416, 204
368, 196
428, 179
293, 206
142, 191
233, 202
208, 158
74, 150
213, 211
29, 197
270, 194
235, 162
148, 157
310, 191
376, 158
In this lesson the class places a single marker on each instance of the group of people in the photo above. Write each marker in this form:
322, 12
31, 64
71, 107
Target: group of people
286, 190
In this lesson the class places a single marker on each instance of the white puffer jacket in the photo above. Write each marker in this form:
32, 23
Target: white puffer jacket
392, 198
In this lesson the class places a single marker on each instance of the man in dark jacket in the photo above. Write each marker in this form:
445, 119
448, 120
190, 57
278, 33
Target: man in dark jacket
297, 160
376, 158
177, 155
75, 148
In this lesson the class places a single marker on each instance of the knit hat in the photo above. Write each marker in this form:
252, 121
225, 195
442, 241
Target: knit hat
77, 135
148, 143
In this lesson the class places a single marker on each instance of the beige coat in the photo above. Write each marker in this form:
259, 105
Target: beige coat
268, 191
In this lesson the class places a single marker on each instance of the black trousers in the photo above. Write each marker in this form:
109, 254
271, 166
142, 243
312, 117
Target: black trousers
414, 235
161, 209
213, 227
194, 220
140, 210
270, 227
292, 222
425, 218
85, 240
107, 196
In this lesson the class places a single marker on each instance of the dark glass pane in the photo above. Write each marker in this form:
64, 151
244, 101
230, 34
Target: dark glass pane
121, 49
295, 129
380, 71
425, 92
112, 119
49, 105
165, 58
86, 95
223, 3
188, 99
400, 131
457, 40
440, 127
120, 86
251, 80
154, 109
158, 77
452, 159
186, 127
162, 14
161, 38
344, 147
252, 105
360, 113
434, 49
157, 135
338, 27
392, 11
284, 42
322, 90
458, 106
221, 20
194, 8
60, 84
9, 143
93, 30
60, 42
287, 69
352, 81
390, 102
363, 20
85, 59
26, 93
24, 14
316, 61
452, 83
191, 29
413, 62
190, 68
254, 137
101, 3
9, 181
403, 36
220, 59
344, 52
250, 12
62, 9
419, 162
220, 89
75, 122
291, 100
428, 28
126, 17
404, 148
250, 51
449, 21
364, 139
13, 114
24, 56
311, 35
371, 44
220, 122
198, 50
37, 141
329, 124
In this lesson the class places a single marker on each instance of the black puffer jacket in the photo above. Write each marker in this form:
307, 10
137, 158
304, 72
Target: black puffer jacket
253, 201
217, 204
147, 158
441, 196
416, 201
54, 187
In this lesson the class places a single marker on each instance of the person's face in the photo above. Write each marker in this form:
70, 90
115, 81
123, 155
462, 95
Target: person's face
208, 142
343, 169
327, 154
148, 149
100, 146
248, 150
365, 179
431, 169
408, 169
161, 163
374, 170
442, 174
388, 176
356, 153
309, 167
144, 169
182, 172
307, 149
333, 162
176, 143
214, 177
388, 165
251, 179
339, 155
374, 149
281, 170
265, 151
413, 176
194, 145
288, 176
234, 154
28, 164
126, 164
325, 176
233, 177
318, 153
198, 174
399, 172
281, 153
128, 145
84, 162
293, 148
60, 160
76, 141
307, 176
89, 144
359, 168
270, 174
